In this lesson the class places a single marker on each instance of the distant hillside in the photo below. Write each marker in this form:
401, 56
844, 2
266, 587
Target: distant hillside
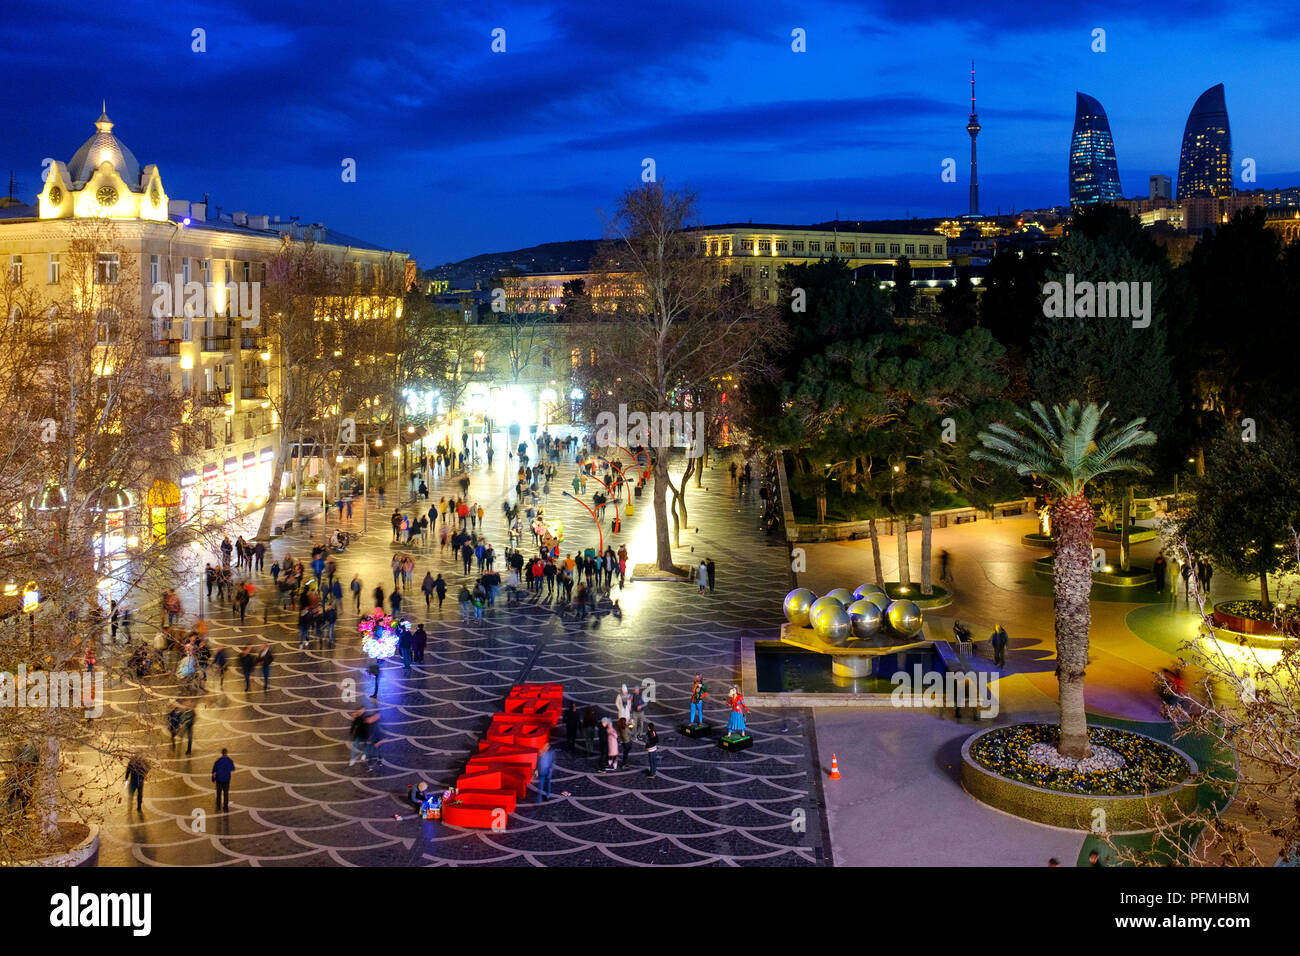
571, 256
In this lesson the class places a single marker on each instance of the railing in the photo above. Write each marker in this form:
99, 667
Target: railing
214, 398
252, 391
164, 348
216, 343
252, 343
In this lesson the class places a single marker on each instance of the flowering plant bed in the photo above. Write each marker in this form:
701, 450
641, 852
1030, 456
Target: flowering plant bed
1147, 764
1255, 617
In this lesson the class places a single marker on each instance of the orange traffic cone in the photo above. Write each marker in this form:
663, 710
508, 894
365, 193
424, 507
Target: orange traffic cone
835, 768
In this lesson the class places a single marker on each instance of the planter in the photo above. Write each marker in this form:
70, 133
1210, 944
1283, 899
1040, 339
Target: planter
1132, 578
1135, 535
81, 854
1243, 625
939, 598
1121, 813
1039, 540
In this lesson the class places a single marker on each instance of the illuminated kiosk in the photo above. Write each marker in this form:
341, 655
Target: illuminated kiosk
852, 628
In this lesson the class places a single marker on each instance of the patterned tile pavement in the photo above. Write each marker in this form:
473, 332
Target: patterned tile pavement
296, 801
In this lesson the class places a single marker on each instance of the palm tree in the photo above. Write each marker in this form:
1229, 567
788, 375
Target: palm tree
1067, 450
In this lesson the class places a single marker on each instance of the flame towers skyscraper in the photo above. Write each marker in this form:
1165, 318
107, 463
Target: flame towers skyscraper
1205, 161
1094, 172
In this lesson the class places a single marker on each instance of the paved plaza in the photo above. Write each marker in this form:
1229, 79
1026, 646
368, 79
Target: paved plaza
296, 801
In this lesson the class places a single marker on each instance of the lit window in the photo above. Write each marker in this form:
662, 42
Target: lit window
16, 270
154, 270
480, 362
54, 272
106, 266
593, 357
575, 359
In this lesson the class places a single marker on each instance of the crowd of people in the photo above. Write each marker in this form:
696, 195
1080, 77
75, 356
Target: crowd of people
573, 582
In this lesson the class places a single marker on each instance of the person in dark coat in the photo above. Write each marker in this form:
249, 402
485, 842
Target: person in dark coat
712, 570
419, 640
246, 663
571, 721
1160, 568
137, 768
221, 771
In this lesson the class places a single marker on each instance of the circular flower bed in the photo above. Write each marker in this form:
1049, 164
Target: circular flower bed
1147, 764
1255, 618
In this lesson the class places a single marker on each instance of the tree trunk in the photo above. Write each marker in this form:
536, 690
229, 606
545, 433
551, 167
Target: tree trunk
927, 585
297, 481
699, 469
272, 498
1263, 588
47, 806
1124, 514
875, 553
821, 507
1072, 520
663, 547
681, 495
904, 569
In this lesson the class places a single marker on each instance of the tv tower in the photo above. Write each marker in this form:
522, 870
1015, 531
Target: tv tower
973, 127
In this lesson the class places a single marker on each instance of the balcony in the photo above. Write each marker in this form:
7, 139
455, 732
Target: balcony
216, 343
252, 343
255, 390
214, 398
164, 348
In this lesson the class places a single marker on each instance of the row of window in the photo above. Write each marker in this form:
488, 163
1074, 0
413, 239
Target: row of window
782, 246
107, 268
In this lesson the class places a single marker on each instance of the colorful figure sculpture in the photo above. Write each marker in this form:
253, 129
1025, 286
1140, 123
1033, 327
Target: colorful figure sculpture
699, 691
738, 712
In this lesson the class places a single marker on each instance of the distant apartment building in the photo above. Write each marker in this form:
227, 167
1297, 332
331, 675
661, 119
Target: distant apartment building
755, 254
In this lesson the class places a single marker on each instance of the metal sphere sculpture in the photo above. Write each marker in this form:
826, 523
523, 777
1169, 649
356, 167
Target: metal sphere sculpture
833, 625
904, 618
843, 595
797, 604
866, 590
866, 619
879, 598
822, 604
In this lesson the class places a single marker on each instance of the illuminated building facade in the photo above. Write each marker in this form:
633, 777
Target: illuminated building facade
225, 367
1205, 162
1094, 172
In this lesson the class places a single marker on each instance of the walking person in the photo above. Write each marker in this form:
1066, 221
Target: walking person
1160, 568
440, 586
221, 771
712, 570
246, 663
545, 767
264, 658
427, 586
359, 731
652, 744
571, 722
999, 642
702, 575
137, 768
356, 592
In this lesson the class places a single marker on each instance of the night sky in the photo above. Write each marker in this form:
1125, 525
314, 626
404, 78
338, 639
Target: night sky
461, 150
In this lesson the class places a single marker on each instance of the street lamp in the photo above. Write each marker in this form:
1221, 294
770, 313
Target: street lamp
31, 601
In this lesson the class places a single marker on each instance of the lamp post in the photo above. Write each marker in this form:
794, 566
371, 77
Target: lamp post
365, 501
31, 601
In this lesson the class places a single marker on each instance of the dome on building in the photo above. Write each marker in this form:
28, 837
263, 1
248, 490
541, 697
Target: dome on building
103, 145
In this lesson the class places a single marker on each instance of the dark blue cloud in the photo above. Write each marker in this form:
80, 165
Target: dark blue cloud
460, 150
